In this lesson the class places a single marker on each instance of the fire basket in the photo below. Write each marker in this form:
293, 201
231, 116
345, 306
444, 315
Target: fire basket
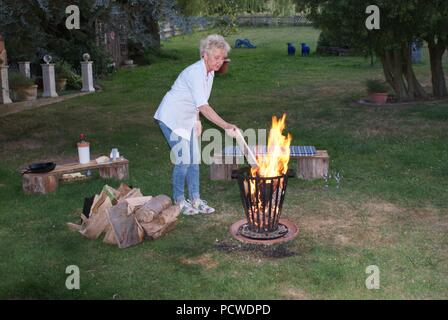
262, 199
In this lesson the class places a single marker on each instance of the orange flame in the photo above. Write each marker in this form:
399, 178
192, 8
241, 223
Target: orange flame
275, 161
272, 164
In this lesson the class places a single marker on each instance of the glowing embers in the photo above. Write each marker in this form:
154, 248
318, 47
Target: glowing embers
262, 199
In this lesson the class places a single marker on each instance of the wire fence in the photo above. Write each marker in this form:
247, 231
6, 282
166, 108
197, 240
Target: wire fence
178, 25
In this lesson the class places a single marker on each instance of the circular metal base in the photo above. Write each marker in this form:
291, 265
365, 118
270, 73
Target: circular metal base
280, 232
291, 233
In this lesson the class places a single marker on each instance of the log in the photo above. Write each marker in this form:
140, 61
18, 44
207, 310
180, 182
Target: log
48, 182
74, 226
222, 167
109, 238
93, 227
168, 215
162, 223
155, 206
155, 230
134, 193
123, 189
125, 228
166, 229
143, 216
135, 203
39, 183
313, 167
119, 171
307, 167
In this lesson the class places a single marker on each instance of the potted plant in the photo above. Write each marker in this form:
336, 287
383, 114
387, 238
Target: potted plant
63, 72
377, 91
225, 66
23, 88
74, 82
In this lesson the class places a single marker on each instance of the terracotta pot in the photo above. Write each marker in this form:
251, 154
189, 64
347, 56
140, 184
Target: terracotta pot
26, 93
224, 68
61, 84
378, 98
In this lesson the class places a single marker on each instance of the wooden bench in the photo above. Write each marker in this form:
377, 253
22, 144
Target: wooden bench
48, 182
307, 167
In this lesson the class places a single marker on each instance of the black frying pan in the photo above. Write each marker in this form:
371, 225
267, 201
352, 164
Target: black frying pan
40, 167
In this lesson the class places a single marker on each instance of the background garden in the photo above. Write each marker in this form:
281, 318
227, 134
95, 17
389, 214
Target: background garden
389, 209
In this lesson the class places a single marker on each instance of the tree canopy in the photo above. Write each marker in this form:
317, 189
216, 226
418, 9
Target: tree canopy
33, 28
402, 22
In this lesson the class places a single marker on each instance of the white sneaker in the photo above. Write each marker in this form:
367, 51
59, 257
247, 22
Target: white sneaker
202, 206
187, 209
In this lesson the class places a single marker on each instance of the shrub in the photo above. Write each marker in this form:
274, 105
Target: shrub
153, 55
17, 79
376, 86
74, 82
63, 70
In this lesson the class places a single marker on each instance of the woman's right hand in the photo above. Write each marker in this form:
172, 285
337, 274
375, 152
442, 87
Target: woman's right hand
232, 130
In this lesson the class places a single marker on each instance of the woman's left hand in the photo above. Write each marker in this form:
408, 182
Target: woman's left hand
198, 128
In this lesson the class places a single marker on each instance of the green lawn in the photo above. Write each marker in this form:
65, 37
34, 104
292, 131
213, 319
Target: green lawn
390, 209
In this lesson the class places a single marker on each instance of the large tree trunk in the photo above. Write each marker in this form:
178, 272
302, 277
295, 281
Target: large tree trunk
398, 71
415, 89
392, 67
436, 51
153, 26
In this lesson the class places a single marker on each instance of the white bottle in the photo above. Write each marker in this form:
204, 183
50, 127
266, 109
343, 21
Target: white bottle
83, 150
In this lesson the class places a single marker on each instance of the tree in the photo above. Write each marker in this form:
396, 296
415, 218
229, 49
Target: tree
143, 17
401, 22
435, 33
33, 28
226, 12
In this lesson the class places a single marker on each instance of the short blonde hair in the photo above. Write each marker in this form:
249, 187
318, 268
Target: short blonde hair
211, 42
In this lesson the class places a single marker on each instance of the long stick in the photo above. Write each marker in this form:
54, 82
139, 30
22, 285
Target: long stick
247, 152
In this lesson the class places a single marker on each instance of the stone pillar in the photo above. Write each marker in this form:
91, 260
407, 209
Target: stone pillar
49, 80
3, 55
24, 68
87, 76
4, 85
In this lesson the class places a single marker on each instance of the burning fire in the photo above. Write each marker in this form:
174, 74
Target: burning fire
275, 161
265, 197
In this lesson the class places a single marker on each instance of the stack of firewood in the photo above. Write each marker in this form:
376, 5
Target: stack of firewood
126, 217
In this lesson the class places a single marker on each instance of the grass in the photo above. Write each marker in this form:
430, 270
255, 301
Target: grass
389, 210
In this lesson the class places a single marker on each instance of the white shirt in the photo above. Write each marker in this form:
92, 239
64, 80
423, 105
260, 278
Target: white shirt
179, 107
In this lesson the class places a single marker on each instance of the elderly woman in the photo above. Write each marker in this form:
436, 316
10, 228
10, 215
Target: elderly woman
178, 118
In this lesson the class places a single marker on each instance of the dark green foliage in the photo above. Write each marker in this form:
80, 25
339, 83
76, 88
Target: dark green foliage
17, 79
390, 209
376, 86
74, 81
153, 55
401, 22
35, 28
63, 70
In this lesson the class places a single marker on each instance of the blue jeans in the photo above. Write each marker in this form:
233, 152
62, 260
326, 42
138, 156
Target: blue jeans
185, 155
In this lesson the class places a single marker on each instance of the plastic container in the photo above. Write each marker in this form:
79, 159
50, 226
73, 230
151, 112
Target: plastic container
83, 150
114, 154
